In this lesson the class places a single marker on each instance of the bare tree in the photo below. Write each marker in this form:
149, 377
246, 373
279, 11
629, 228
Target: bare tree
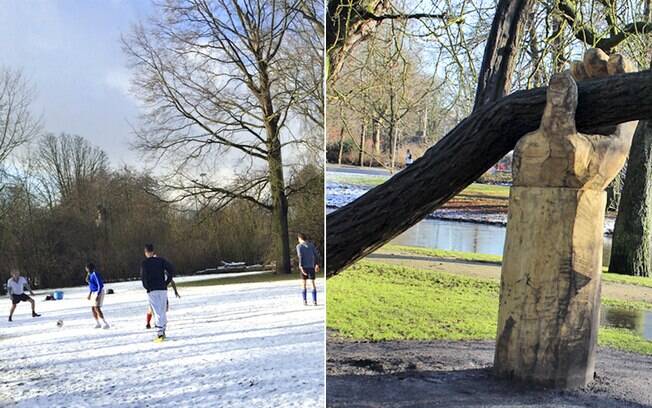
350, 22
17, 124
219, 83
67, 164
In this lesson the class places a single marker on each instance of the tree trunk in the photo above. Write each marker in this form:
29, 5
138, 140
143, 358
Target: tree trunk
425, 126
495, 79
377, 146
470, 149
630, 251
341, 152
393, 147
279, 210
363, 134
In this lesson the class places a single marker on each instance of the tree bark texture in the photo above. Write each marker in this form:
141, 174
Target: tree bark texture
495, 80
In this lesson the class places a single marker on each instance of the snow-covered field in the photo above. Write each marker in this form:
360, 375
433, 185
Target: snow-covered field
238, 345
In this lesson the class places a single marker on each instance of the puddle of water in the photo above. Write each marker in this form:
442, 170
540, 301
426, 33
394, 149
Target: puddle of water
638, 321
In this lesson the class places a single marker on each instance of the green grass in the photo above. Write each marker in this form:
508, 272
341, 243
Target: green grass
442, 254
490, 190
635, 305
361, 180
497, 259
264, 277
622, 339
384, 302
626, 279
375, 301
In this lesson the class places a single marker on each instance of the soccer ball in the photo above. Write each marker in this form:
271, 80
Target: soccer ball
59, 323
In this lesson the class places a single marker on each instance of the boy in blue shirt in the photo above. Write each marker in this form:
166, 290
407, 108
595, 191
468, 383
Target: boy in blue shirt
96, 294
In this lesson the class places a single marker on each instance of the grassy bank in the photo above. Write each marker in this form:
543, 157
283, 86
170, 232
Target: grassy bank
375, 301
497, 259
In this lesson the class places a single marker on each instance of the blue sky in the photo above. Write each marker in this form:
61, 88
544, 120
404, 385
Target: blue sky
70, 51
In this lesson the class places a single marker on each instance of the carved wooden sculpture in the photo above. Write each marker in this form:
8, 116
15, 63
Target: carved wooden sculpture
550, 285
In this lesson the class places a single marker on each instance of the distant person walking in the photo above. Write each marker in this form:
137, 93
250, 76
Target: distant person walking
156, 274
308, 266
148, 316
16, 286
408, 158
96, 295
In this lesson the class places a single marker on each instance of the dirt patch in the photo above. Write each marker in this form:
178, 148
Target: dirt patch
458, 374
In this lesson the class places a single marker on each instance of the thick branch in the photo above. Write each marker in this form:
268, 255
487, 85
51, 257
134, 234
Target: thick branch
501, 51
463, 155
381, 17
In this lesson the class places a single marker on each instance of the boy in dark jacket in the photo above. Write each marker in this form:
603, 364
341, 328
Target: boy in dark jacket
156, 274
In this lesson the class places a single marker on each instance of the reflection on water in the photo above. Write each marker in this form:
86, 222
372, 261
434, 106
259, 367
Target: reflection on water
464, 236
456, 236
639, 321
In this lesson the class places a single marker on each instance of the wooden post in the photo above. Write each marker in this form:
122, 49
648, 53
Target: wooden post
549, 310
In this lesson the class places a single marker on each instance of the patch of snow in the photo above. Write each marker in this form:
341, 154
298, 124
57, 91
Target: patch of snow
237, 345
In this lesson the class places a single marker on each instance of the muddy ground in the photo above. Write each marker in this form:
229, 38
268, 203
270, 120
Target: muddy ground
458, 374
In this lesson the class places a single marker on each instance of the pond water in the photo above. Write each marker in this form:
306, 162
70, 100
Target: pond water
464, 236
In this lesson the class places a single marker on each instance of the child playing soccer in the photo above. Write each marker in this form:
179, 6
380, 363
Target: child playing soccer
96, 294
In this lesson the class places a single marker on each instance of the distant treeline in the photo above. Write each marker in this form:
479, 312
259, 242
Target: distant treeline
66, 207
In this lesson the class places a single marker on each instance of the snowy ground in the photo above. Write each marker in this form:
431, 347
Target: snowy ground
238, 345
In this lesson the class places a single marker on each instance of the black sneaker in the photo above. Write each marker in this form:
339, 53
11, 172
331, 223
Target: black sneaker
34, 314
10, 319
148, 326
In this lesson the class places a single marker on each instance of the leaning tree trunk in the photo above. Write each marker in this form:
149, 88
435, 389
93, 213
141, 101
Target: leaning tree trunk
463, 155
630, 250
499, 60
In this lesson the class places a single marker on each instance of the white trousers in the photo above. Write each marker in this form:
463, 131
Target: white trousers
158, 301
